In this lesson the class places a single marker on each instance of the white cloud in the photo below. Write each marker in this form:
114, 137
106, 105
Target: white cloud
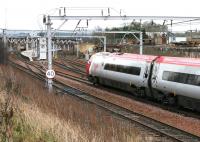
24, 14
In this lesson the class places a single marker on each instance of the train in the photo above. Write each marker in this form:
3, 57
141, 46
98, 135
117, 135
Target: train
171, 80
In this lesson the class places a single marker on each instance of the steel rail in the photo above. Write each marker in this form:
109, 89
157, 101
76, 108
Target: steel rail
156, 126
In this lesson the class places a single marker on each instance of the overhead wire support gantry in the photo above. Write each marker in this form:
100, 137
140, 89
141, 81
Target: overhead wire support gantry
65, 17
126, 33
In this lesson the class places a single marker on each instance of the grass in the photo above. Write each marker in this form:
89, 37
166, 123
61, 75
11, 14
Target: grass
45, 117
13, 126
23, 132
39, 116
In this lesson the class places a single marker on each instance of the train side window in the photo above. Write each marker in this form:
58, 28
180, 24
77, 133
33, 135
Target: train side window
181, 78
166, 75
192, 79
106, 67
174, 77
198, 80
123, 69
184, 78
112, 67
120, 68
135, 70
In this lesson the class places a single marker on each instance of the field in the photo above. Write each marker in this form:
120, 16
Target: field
35, 115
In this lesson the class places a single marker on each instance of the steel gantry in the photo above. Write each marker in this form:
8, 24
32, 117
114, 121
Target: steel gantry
122, 18
99, 37
126, 33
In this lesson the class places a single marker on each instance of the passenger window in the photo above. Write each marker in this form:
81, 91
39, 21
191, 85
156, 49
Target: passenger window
198, 80
123, 69
192, 79
184, 78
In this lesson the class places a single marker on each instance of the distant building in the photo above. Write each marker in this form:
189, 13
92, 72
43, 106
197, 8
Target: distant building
156, 38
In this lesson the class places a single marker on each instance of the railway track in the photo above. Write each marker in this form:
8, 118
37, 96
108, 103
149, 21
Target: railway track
161, 128
156, 126
74, 62
82, 79
73, 78
73, 69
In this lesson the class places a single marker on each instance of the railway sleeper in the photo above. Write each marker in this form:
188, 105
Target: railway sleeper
94, 80
188, 103
165, 98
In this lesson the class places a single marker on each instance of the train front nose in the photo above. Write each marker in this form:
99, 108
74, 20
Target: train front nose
88, 68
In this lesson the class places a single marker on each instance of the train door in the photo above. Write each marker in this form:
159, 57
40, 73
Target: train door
155, 75
152, 78
146, 74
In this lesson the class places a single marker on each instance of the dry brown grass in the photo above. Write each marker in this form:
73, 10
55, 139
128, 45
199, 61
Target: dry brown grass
69, 118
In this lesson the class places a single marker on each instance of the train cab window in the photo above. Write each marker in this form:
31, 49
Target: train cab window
123, 69
184, 78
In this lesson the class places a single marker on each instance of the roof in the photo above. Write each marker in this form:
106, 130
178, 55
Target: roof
129, 56
179, 61
149, 58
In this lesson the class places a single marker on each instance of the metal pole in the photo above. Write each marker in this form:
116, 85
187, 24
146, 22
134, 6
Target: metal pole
26, 43
171, 32
53, 47
68, 46
141, 43
141, 38
4, 38
5, 48
49, 52
104, 44
77, 49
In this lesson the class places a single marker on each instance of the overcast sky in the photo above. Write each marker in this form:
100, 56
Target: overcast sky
27, 14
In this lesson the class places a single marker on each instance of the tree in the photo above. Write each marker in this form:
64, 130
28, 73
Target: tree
136, 26
153, 27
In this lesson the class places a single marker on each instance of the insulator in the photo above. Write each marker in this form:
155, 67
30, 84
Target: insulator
64, 11
164, 22
87, 23
59, 12
44, 19
152, 22
108, 11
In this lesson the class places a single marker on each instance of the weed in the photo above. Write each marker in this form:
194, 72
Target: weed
48, 117
6, 114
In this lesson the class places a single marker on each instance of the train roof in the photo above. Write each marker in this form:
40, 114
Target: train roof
128, 56
160, 59
179, 61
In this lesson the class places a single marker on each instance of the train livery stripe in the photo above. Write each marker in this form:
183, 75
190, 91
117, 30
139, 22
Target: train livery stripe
179, 61
162, 59
134, 57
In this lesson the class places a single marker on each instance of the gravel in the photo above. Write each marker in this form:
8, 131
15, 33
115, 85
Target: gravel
185, 123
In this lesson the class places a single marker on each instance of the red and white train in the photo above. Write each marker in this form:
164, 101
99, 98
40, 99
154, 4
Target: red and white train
173, 80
